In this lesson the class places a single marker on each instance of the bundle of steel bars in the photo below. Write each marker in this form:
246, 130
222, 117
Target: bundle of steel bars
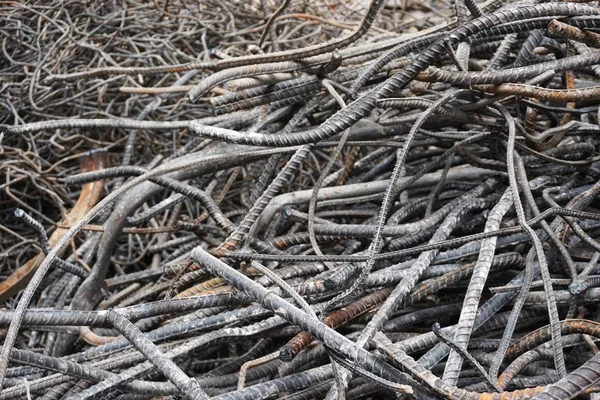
298, 199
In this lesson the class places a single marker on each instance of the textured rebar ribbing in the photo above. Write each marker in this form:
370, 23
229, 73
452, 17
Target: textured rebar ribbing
436, 328
34, 386
394, 53
433, 196
333, 320
211, 207
108, 385
436, 179
575, 383
409, 281
362, 106
286, 288
269, 389
23, 303
240, 72
312, 204
45, 265
474, 9
420, 315
81, 371
157, 208
543, 334
68, 291
513, 74
313, 391
263, 179
484, 313
502, 52
463, 51
244, 99
469, 242
284, 176
418, 372
422, 262
574, 227
471, 303
268, 28
198, 323
521, 363
532, 41
390, 193
136, 312
179, 187
560, 96
525, 285
433, 285
45, 245
539, 252
329, 337
188, 386
93, 124
36, 226
403, 229
367, 188
303, 84
581, 48
562, 250
559, 28
282, 98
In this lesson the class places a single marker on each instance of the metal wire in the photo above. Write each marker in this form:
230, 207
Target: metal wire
232, 199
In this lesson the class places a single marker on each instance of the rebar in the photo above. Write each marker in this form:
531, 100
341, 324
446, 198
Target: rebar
299, 199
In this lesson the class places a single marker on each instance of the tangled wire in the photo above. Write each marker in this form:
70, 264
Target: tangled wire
299, 199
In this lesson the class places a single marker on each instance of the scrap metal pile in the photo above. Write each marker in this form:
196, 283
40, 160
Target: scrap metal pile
299, 199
